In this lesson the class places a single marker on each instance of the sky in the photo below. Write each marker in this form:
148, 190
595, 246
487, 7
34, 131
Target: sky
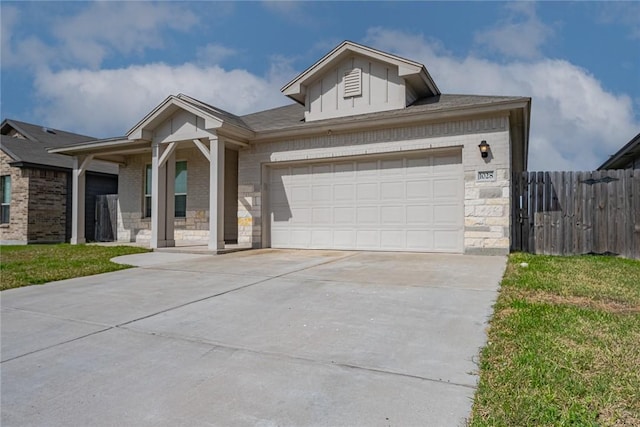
97, 68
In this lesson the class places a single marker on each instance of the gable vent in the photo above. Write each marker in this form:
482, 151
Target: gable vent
352, 83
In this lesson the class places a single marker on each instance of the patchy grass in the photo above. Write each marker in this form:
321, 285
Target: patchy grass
564, 345
35, 264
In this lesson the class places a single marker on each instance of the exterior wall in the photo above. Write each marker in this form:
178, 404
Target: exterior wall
382, 89
487, 204
38, 205
47, 205
16, 230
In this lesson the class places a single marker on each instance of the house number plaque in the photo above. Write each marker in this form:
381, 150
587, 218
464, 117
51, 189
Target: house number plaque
486, 176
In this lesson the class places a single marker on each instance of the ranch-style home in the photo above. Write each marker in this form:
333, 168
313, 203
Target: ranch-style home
369, 156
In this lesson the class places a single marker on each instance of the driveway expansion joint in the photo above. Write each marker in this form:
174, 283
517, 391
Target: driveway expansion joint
219, 345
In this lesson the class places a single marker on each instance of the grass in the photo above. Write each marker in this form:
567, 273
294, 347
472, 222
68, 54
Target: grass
36, 264
563, 345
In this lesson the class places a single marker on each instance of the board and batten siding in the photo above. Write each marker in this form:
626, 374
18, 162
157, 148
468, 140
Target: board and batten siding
381, 89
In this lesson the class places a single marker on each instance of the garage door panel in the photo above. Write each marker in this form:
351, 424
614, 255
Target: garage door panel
446, 215
419, 190
367, 239
401, 202
344, 215
367, 191
322, 216
392, 239
446, 240
367, 214
419, 166
390, 215
300, 216
392, 167
392, 190
300, 238
419, 214
322, 238
321, 193
418, 239
343, 192
299, 194
446, 188
343, 239
364, 169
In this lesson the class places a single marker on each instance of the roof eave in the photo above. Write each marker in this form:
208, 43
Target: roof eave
322, 126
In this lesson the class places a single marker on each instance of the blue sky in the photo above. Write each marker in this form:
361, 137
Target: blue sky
97, 68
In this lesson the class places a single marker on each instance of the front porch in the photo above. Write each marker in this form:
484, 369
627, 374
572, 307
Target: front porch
183, 139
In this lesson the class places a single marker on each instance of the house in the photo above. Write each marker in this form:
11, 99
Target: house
36, 185
369, 156
628, 157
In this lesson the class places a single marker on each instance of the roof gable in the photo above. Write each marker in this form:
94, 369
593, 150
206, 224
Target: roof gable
414, 73
204, 118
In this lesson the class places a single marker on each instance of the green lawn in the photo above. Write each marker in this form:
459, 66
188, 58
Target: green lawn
35, 264
564, 345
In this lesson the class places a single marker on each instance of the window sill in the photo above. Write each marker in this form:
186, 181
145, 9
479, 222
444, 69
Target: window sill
5, 225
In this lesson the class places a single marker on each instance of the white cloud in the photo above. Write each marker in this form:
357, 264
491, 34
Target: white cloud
521, 35
90, 36
576, 123
105, 103
214, 53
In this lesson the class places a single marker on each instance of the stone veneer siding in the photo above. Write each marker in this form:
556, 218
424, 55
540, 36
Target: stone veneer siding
38, 204
486, 204
133, 226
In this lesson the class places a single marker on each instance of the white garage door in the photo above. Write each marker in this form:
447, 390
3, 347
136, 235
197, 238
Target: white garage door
400, 203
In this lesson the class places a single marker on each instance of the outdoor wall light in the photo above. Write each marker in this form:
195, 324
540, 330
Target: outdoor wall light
484, 148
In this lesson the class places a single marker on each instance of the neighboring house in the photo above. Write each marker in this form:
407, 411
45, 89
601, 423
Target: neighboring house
371, 156
628, 157
36, 185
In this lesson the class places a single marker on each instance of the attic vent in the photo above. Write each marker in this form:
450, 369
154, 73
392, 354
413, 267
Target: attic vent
47, 130
352, 83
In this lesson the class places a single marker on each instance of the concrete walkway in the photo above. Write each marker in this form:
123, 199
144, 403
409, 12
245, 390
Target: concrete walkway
265, 337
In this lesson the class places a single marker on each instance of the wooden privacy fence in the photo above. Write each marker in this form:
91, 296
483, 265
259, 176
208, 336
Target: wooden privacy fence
106, 221
567, 213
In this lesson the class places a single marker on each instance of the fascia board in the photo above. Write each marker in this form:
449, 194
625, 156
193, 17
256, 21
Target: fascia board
97, 147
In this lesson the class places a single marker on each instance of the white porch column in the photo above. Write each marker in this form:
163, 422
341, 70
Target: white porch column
78, 176
216, 194
171, 199
158, 198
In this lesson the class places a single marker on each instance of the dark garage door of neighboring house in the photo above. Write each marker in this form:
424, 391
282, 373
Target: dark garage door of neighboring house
96, 184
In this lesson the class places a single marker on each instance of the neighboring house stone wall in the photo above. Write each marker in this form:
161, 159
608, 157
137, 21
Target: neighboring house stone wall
487, 213
16, 230
133, 226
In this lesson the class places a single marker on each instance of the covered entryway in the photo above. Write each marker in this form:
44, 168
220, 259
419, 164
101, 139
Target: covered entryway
401, 202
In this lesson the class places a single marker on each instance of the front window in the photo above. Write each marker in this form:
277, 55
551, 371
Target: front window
180, 190
5, 198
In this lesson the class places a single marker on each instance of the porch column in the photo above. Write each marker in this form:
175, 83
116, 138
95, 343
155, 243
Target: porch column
78, 176
171, 199
216, 193
158, 198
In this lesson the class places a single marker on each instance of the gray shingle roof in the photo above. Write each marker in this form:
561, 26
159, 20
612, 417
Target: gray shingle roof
214, 111
292, 116
33, 149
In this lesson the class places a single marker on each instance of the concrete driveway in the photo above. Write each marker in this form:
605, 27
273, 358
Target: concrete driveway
266, 337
